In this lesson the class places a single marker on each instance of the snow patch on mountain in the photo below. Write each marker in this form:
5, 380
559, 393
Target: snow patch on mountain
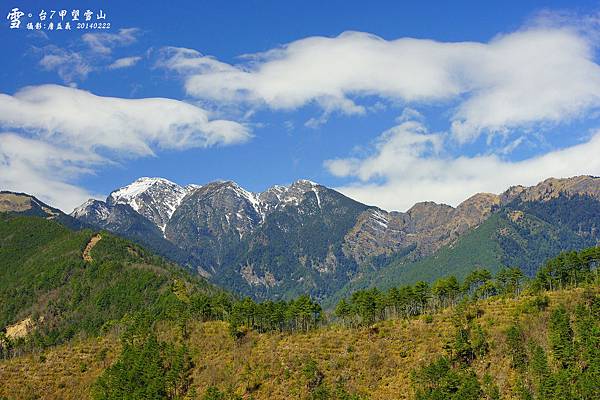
316, 192
292, 195
169, 192
157, 199
252, 198
191, 187
154, 198
379, 218
94, 208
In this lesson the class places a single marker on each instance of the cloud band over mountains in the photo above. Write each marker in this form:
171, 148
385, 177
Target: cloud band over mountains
493, 96
64, 131
534, 75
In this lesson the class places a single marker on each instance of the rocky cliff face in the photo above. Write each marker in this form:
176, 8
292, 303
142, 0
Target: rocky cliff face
420, 231
376, 233
297, 238
552, 188
519, 227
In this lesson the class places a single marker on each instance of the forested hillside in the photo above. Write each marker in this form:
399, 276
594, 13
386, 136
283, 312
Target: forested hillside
161, 334
52, 282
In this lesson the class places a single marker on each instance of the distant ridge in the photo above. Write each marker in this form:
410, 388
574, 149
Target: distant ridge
307, 238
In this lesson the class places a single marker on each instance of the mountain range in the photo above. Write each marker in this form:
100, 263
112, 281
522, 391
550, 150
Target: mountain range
87, 314
307, 238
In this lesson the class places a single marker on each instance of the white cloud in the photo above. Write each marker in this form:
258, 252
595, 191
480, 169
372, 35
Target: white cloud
70, 66
542, 73
510, 147
41, 169
184, 60
532, 76
131, 126
410, 114
93, 53
64, 131
395, 150
103, 43
124, 62
408, 165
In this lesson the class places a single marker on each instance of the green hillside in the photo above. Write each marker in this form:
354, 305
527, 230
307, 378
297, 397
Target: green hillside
44, 277
519, 341
475, 249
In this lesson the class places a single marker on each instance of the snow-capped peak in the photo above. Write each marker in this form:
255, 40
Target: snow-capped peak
191, 187
304, 182
128, 194
91, 206
158, 198
281, 196
155, 198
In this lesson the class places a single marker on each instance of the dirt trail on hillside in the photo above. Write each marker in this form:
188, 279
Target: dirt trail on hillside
86, 252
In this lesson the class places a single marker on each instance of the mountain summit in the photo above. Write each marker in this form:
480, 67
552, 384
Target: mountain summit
154, 198
305, 237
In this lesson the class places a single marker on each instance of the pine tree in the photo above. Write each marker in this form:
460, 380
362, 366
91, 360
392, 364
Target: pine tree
516, 348
342, 310
541, 372
561, 336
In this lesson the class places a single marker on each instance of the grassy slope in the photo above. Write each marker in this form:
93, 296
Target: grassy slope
269, 366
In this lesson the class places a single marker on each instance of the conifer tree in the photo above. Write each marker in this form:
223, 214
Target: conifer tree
561, 336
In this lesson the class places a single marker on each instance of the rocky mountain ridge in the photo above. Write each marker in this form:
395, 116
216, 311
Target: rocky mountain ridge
300, 237
157, 199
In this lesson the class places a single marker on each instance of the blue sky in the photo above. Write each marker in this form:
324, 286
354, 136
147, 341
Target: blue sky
389, 102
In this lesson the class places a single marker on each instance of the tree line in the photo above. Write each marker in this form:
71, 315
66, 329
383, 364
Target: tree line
300, 314
372, 305
569, 269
